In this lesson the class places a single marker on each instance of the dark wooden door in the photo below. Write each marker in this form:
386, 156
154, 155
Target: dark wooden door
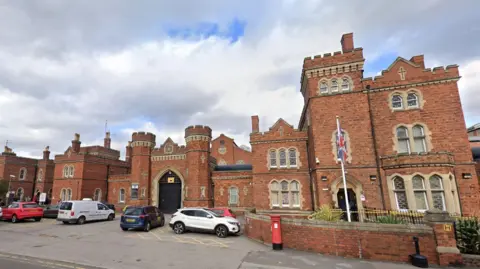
170, 194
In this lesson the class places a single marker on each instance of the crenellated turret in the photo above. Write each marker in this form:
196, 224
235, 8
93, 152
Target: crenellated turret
141, 148
198, 139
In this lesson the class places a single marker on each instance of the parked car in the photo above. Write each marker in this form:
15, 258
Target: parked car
111, 206
1, 212
18, 211
80, 212
202, 219
141, 217
51, 211
223, 211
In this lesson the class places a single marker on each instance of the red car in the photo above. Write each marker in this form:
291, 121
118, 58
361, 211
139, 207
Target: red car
223, 211
22, 210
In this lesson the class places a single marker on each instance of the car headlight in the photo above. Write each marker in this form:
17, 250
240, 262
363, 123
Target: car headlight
233, 223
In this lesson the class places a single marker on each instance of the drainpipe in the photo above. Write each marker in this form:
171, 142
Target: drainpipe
34, 182
108, 174
310, 170
375, 149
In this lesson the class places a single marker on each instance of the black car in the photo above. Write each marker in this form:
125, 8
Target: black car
141, 218
50, 211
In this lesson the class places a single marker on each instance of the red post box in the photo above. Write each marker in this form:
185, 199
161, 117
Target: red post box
276, 233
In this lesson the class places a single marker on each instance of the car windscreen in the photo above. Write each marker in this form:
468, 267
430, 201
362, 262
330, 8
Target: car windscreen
66, 206
134, 211
30, 205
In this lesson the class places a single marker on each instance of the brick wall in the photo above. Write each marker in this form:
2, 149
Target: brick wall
384, 242
224, 148
224, 180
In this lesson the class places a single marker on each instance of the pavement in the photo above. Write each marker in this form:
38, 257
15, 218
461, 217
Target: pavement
105, 245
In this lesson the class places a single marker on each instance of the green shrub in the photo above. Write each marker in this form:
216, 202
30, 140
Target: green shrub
468, 235
326, 213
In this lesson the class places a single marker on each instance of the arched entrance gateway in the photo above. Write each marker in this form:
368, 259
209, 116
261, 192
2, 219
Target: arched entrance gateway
169, 194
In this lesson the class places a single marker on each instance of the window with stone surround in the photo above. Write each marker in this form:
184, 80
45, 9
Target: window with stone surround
69, 194
134, 191
20, 193
437, 192
63, 194
121, 196
233, 196
412, 100
403, 140
397, 101
283, 158
345, 85
400, 193
285, 194
65, 171
97, 196
323, 87
419, 142
273, 158
40, 175
419, 193
22, 175
415, 192
71, 171
334, 86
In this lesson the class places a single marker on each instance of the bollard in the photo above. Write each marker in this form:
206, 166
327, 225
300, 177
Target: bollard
276, 233
417, 259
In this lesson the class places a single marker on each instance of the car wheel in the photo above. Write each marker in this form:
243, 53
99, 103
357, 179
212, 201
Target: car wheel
38, 219
111, 217
178, 228
162, 222
81, 220
65, 222
147, 227
14, 219
221, 231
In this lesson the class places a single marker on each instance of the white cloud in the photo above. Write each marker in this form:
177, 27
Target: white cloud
70, 73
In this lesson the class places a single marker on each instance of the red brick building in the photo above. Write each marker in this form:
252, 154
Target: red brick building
82, 172
27, 176
405, 148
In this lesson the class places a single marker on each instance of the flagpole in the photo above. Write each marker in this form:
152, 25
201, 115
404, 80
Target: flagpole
347, 203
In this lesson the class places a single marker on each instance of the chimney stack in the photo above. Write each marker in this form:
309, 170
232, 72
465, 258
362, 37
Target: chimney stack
46, 153
128, 152
107, 141
255, 124
76, 143
347, 42
418, 60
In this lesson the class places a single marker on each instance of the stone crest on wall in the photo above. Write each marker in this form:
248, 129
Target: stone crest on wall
202, 192
245, 190
221, 191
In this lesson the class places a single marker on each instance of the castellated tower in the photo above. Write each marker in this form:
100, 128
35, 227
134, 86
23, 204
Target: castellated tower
141, 149
198, 139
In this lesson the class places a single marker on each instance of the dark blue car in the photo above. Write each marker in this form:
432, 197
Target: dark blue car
141, 218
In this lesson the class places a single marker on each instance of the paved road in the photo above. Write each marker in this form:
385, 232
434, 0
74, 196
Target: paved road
105, 245
9, 261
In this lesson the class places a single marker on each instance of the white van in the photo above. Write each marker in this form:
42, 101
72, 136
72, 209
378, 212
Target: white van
81, 211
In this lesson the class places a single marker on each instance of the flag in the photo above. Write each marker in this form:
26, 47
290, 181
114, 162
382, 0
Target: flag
341, 144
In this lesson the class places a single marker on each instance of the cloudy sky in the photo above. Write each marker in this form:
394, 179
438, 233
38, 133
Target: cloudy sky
158, 65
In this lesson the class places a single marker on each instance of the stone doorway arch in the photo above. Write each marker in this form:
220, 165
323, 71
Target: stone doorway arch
354, 186
155, 192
